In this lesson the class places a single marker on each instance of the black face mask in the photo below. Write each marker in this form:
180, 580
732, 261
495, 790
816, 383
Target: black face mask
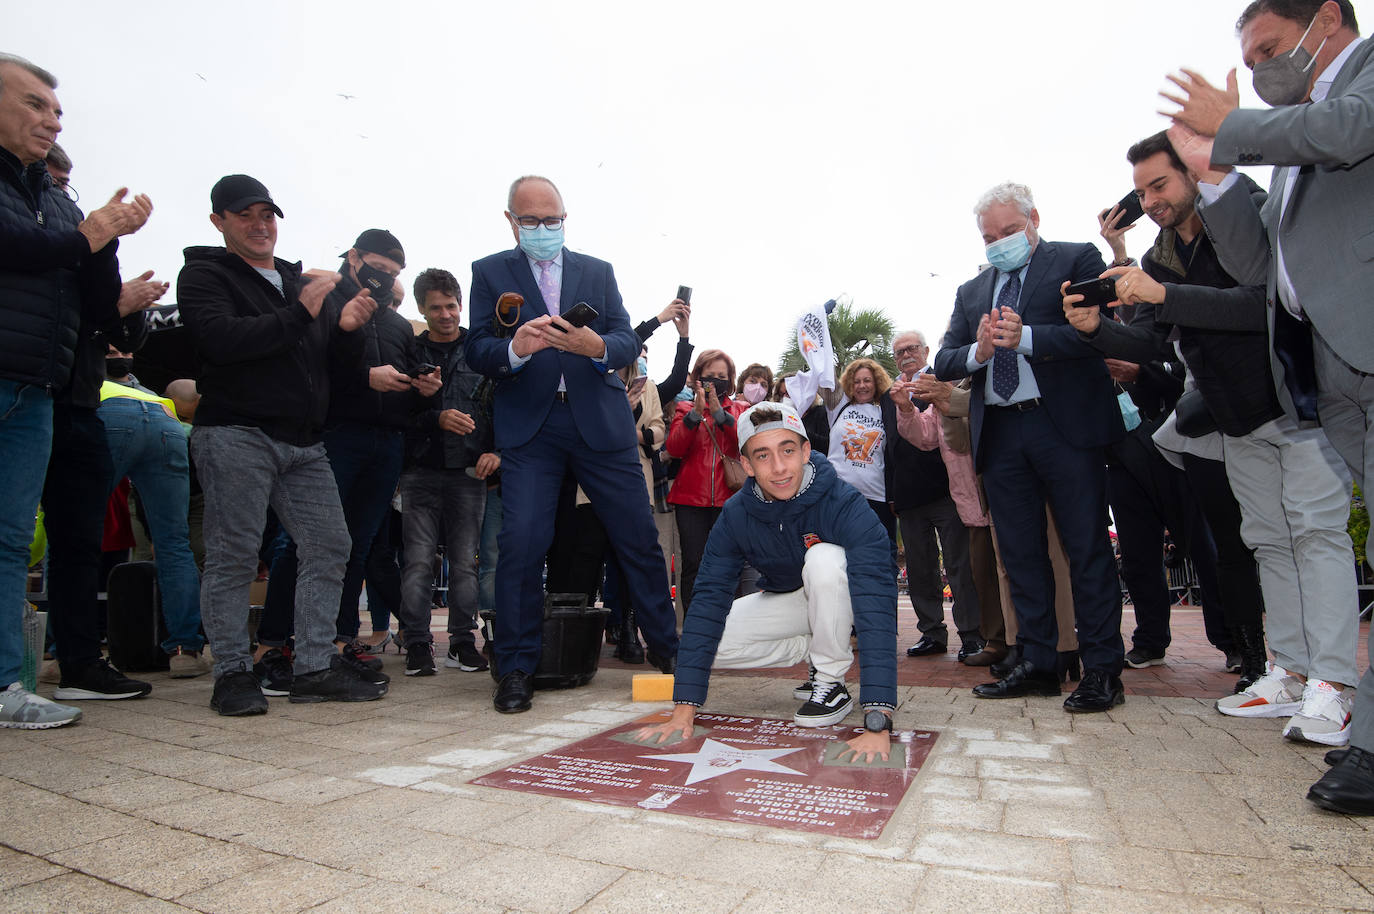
118, 368
722, 385
378, 284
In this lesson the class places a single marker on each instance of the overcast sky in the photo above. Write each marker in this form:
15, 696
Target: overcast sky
770, 155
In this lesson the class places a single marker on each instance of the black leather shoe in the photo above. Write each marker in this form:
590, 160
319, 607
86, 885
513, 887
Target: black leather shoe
969, 648
1099, 691
1023, 680
667, 665
927, 646
514, 693
1001, 668
1349, 786
1334, 757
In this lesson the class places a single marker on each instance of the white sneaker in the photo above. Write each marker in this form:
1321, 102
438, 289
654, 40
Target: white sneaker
1324, 716
1275, 694
22, 709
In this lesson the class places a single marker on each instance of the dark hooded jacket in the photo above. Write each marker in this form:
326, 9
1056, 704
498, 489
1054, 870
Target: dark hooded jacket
265, 361
429, 445
773, 537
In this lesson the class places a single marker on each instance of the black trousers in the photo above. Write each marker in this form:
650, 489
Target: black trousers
693, 527
1237, 573
74, 496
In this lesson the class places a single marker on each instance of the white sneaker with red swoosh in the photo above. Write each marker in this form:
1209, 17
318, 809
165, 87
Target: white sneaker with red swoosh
1275, 694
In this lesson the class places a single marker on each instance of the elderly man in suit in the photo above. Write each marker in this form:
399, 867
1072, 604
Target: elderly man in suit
560, 406
1311, 243
1042, 411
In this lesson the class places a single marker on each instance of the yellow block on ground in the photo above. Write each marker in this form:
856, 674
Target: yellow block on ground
652, 687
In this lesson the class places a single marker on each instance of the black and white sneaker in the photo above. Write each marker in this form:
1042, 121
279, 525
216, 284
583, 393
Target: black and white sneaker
828, 705
100, 680
420, 659
340, 681
803, 691
274, 673
465, 657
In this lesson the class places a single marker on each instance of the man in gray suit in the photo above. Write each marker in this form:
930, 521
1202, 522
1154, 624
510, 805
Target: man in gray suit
1312, 243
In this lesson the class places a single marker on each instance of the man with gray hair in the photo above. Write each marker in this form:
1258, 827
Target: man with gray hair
56, 268
1042, 411
918, 493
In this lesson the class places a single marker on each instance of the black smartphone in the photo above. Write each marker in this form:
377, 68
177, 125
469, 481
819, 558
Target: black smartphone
424, 369
1131, 210
685, 294
1099, 292
580, 314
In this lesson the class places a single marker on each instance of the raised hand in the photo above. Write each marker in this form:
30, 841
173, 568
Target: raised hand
137, 294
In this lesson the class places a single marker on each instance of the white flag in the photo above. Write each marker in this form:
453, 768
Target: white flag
813, 340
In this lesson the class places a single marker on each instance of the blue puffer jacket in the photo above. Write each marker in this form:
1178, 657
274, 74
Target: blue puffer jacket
772, 536
49, 279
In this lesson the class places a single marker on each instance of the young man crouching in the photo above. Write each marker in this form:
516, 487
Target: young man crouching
826, 568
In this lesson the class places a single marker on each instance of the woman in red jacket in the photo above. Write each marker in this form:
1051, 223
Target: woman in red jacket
702, 436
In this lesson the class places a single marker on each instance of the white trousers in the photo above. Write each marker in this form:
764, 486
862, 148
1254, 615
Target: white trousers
783, 629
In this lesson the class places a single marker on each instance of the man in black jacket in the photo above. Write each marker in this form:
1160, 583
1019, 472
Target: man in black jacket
56, 269
267, 337
370, 405
448, 459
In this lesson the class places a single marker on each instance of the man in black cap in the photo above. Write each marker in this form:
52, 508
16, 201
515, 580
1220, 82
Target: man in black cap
370, 405
267, 336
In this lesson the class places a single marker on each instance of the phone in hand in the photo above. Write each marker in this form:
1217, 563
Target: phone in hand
579, 315
1131, 210
1095, 292
424, 369
684, 293
636, 386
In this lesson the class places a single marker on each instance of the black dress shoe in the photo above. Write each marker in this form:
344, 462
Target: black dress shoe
1099, 691
514, 693
666, 665
1334, 756
1023, 680
969, 648
927, 646
1007, 663
1349, 786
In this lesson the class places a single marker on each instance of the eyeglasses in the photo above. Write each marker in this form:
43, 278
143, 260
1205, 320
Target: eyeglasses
553, 222
907, 350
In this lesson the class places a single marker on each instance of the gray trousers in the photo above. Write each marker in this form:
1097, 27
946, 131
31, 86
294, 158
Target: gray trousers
919, 526
1294, 496
1345, 402
454, 502
243, 471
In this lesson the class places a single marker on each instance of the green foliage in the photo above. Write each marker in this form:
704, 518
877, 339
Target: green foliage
854, 334
1359, 525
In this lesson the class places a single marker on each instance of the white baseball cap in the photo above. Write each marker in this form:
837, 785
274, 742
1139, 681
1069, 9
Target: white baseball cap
746, 427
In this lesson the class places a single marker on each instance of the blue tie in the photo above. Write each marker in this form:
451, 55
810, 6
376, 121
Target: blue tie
1006, 377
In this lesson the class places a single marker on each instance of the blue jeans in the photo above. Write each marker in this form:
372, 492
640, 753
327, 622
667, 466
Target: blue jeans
488, 552
149, 447
366, 460
25, 443
432, 500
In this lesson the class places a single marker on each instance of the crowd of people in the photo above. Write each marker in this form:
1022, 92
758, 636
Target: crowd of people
1217, 395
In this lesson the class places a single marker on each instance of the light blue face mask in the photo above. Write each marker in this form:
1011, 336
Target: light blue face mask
643, 364
1010, 253
541, 242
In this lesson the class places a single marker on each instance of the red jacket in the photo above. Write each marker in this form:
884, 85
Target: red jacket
701, 478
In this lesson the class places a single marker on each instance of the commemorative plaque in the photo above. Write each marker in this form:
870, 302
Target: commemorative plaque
740, 769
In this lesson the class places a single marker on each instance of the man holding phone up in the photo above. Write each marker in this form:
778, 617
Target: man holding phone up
559, 406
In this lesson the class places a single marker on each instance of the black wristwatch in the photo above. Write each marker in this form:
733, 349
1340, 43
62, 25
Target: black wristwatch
876, 721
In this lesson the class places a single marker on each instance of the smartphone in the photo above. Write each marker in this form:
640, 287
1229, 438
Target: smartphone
1130, 208
579, 315
685, 294
1099, 292
424, 369
637, 385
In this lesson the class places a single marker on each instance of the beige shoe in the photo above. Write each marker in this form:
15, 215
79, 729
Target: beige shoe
186, 664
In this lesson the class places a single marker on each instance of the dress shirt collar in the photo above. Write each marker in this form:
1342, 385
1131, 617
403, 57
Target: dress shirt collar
1328, 76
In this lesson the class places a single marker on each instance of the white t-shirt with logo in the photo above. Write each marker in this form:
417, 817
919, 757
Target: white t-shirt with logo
857, 442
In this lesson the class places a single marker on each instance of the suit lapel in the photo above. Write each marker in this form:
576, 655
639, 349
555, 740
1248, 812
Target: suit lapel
572, 276
1044, 255
524, 281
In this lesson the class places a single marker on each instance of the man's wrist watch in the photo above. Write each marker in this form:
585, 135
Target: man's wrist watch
876, 721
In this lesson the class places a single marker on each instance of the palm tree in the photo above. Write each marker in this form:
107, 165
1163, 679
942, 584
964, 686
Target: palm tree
854, 334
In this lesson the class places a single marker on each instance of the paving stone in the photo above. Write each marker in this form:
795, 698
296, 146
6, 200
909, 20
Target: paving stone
527, 880
149, 846
285, 886
1093, 899
635, 893
1269, 881
1030, 858
39, 822
136, 790
948, 891
18, 869
1041, 820
306, 789
187, 873
76, 892
1134, 868
377, 897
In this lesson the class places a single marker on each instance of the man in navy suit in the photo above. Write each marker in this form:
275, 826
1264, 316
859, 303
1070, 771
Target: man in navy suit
560, 406
1042, 410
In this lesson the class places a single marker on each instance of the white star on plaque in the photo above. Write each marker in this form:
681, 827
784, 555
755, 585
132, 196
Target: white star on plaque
716, 758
